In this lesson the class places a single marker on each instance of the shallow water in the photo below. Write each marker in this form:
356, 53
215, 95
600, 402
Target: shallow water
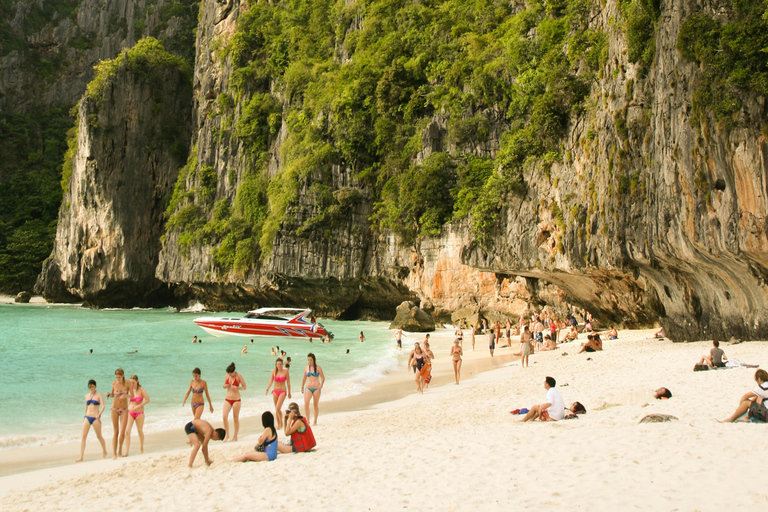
45, 365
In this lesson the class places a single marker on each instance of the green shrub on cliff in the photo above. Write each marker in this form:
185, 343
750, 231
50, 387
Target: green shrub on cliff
361, 95
732, 55
147, 58
640, 23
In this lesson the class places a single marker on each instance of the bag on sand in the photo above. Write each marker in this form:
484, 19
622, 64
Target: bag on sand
700, 367
758, 411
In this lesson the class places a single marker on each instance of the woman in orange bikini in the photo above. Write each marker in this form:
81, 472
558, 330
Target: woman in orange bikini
234, 384
282, 380
197, 387
119, 396
138, 399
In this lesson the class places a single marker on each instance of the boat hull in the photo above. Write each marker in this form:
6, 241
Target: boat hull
221, 328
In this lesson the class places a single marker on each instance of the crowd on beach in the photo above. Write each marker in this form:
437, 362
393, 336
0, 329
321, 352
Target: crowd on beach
129, 398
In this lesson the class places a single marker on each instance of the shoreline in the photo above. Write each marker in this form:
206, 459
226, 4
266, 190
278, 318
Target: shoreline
437, 450
392, 387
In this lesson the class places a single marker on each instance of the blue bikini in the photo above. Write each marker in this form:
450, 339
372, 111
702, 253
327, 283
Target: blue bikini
91, 419
313, 374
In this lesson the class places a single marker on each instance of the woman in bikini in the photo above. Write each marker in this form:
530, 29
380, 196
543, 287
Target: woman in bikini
428, 365
282, 380
94, 407
138, 399
418, 361
314, 378
233, 384
456, 353
119, 411
197, 386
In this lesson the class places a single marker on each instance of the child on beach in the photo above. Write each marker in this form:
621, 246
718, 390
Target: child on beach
200, 432
266, 448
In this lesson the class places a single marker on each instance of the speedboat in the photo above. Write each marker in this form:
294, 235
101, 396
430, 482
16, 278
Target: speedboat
270, 322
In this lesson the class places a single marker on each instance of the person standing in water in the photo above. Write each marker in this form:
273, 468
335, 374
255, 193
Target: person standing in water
234, 383
282, 380
94, 407
197, 386
456, 353
139, 398
314, 379
399, 339
361, 338
119, 411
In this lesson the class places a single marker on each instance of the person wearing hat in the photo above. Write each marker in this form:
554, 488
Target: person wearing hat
456, 353
302, 438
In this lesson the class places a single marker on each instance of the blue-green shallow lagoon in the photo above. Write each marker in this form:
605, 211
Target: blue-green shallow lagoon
45, 365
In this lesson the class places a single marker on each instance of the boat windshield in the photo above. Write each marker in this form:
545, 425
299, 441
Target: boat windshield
264, 316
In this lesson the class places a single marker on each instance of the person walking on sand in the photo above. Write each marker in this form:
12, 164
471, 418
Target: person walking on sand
266, 447
472, 337
417, 362
197, 386
427, 370
200, 433
456, 353
282, 380
314, 379
234, 383
553, 409
491, 341
526, 341
119, 411
94, 407
459, 335
136, 403
508, 332
411, 362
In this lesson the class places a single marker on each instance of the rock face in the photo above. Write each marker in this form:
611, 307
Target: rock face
123, 173
23, 297
647, 217
410, 317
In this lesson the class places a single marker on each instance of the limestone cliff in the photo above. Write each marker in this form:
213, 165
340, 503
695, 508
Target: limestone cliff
633, 201
132, 138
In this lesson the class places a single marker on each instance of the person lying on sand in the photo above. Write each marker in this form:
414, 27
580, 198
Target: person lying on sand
662, 394
200, 433
716, 357
575, 409
759, 394
552, 409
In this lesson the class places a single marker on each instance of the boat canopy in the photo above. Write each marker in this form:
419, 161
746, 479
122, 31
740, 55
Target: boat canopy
275, 313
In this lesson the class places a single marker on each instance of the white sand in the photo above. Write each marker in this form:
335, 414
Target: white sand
457, 448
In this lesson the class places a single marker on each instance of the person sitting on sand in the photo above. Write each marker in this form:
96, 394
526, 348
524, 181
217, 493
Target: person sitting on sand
302, 439
549, 343
266, 448
612, 334
662, 394
593, 344
758, 394
573, 334
200, 432
661, 333
716, 357
552, 409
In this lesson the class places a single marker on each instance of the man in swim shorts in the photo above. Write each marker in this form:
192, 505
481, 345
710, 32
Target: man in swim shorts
200, 432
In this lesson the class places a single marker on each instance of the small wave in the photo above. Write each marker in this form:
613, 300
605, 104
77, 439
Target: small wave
197, 307
11, 442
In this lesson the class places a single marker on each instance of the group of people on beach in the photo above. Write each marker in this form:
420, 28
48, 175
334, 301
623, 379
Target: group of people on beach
128, 401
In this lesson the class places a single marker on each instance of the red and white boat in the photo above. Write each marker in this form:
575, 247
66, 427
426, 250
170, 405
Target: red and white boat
271, 322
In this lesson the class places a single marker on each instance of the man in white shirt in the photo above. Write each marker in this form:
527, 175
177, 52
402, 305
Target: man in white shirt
551, 410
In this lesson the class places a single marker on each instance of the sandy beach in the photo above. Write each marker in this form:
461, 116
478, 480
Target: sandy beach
457, 447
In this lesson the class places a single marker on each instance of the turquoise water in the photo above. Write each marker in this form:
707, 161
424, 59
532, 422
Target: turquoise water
45, 365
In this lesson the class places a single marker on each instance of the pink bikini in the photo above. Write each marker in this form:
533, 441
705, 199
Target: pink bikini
278, 392
138, 400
